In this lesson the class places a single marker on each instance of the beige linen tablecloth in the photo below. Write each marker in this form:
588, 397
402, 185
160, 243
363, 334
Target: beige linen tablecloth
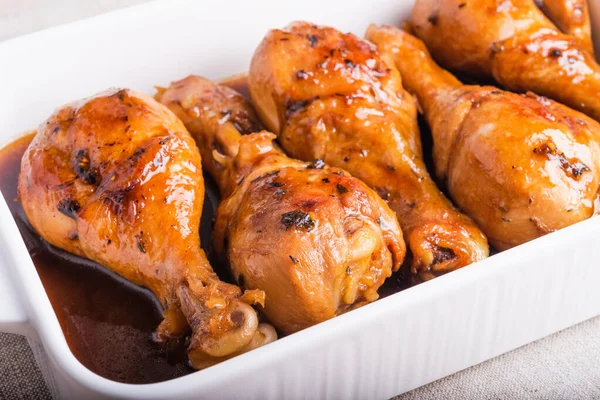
563, 366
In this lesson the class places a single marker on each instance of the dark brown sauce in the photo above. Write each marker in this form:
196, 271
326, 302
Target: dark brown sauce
107, 321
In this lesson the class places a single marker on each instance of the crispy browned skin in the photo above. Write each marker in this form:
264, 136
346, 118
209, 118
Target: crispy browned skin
318, 241
117, 179
330, 95
520, 165
513, 42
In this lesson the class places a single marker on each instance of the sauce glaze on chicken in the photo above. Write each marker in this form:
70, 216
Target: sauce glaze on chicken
117, 179
333, 96
516, 44
521, 166
316, 240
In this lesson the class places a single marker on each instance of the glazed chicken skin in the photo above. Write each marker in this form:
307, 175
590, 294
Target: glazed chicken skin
330, 95
117, 179
520, 165
571, 17
317, 241
513, 42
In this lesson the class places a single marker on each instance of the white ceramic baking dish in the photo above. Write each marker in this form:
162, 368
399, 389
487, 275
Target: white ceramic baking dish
383, 349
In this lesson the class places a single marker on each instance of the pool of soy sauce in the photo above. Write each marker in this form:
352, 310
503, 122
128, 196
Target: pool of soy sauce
108, 322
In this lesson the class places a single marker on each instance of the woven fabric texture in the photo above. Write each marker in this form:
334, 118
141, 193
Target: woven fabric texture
20, 377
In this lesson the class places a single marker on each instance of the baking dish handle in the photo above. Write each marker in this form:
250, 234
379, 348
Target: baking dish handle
13, 318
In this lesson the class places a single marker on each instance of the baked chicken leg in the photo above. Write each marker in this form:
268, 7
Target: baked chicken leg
330, 95
513, 42
520, 165
317, 241
117, 179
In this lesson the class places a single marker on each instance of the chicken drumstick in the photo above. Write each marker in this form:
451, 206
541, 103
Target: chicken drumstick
117, 179
330, 95
520, 166
513, 42
318, 241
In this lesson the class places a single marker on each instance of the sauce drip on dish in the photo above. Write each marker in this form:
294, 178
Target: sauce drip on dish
107, 321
